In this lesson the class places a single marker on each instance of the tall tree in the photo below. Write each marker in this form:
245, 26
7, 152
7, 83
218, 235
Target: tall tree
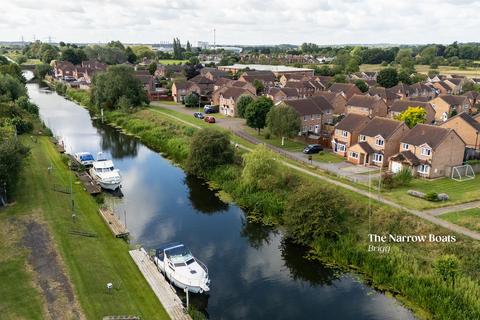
242, 103
412, 116
283, 121
362, 85
256, 113
387, 77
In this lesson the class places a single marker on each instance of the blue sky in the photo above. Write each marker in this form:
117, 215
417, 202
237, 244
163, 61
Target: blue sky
243, 22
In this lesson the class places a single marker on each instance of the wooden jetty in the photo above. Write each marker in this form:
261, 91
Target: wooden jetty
90, 185
162, 289
117, 228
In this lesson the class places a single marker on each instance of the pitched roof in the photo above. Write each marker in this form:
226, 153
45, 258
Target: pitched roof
455, 81
381, 126
402, 105
352, 121
362, 101
235, 93
472, 94
330, 96
366, 147
468, 119
261, 77
309, 106
383, 93
444, 85
222, 81
201, 79
288, 92
452, 100
407, 156
426, 134
343, 87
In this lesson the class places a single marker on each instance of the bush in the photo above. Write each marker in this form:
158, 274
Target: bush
403, 177
209, 148
61, 88
388, 181
431, 196
26, 105
260, 171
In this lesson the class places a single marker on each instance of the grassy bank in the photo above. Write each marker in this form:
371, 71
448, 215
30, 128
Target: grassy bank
91, 262
407, 271
468, 218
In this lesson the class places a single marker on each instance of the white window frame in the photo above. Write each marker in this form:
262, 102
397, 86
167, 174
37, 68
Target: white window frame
304, 118
423, 168
377, 157
405, 146
341, 147
353, 154
363, 138
344, 133
426, 151
377, 140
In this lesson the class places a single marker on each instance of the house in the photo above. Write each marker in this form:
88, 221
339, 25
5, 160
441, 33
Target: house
181, 89
347, 89
401, 89
446, 104
229, 98
63, 69
429, 151
474, 98
377, 142
267, 78
387, 95
466, 127
305, 88
277, 70
418, 90
456, 84
346, 132
337, 100
314, 113
324, 80
293, 77
400, 106
94, 64
367, 105
280, 94
442, 87
213, 73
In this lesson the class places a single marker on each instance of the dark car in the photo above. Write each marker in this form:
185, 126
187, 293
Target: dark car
312, 148
209, 109
210, 119
198, 115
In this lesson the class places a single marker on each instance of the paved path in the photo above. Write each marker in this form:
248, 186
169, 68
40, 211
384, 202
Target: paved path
166, 294
429, 215
455, 208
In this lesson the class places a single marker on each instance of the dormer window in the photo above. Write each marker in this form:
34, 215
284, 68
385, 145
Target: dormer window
344, 133
380, 142
405, 146
426, 151
363, 138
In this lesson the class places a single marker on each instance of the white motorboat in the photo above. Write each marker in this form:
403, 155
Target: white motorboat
84, 158
104, 172
179, 266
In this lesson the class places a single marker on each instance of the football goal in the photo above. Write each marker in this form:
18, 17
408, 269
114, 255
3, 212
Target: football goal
462, 173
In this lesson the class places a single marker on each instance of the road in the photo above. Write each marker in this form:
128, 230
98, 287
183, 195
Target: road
429, 215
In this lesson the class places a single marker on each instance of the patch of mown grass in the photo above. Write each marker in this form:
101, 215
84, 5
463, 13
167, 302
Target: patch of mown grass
469, 219
90, 262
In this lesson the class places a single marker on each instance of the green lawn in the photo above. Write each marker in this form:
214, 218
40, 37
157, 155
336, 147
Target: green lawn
469, 219
459, 192
470, 72
90, 262
172, 61
327, 156
290, 144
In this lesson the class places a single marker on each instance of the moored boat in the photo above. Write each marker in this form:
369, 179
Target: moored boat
103, 171
84, 158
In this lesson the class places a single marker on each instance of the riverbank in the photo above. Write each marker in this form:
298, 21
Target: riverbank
406, 271
90, 262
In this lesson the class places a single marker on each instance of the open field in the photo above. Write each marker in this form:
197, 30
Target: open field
91, 262
469, 218
459, 192
171, 61
469, 72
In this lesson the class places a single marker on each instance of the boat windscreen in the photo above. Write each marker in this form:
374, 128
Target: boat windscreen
178, 254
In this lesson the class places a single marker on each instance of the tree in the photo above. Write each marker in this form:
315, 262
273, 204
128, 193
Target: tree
340, 78
259, 86
242, 103
387, 77
188, 47
283, 121
75, 56
209, 148
405, 59
323, 71
313, 212
152, 67
41, 70
117, 81
447, 267
404, 77
191, 100
11, 88
256, 113
25, 104
131, 56
412, 116
260, 170
362, 85
49, 55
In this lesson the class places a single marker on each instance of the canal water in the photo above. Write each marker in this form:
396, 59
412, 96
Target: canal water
255, 272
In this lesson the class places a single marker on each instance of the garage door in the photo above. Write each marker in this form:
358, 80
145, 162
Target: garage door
396, 166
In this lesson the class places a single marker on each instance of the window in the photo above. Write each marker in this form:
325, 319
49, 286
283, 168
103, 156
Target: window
353, 155
377, 157
423, 168
344, 133
311, 116
319, 116
304, 118
444, 116
426, 151
363, 138
405, 146
341, 147
379, 142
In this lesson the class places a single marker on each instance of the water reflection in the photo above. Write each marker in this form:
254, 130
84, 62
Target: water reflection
257, 234
202, 198
118, 145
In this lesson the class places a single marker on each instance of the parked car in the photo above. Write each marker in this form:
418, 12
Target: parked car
198, 115
312, 148
209, 109
209, 119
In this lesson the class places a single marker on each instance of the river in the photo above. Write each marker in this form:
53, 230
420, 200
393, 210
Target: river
255, 272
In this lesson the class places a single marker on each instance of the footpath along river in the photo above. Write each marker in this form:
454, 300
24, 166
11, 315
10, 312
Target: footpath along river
255, 272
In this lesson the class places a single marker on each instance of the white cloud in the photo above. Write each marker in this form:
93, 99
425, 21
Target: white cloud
243, 22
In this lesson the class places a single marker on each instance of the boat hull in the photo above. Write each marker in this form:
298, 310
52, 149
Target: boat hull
177, 283
109, 185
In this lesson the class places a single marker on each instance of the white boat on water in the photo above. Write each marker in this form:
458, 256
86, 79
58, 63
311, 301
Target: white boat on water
84, 158
179, 266
104, 172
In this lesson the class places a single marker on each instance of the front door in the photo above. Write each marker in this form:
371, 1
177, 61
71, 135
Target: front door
396, 166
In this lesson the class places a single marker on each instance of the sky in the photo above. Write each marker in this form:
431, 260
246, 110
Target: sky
245, 22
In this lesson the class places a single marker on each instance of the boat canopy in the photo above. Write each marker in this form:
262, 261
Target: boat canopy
85, 156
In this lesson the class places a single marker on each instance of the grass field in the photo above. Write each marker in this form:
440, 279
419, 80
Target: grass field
470, 72
90, 262
469, 219
459, 192
172, 61
327, 156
